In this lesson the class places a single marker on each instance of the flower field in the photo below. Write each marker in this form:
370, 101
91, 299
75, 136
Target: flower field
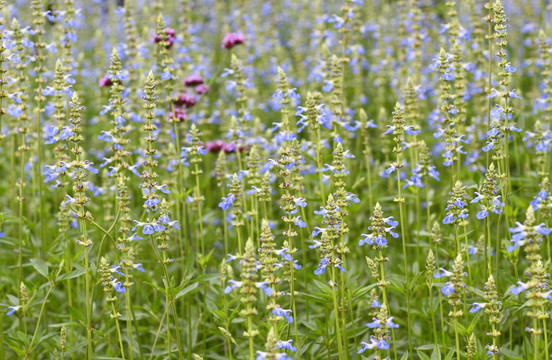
275, 180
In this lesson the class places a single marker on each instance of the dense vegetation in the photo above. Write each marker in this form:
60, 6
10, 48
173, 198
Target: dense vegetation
272, 180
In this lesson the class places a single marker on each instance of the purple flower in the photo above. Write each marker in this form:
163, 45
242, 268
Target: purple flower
232, 39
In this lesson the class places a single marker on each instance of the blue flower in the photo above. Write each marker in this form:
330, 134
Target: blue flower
231, 257
449, 219
328, 86
278, 311
227, 202
324, 262
509, 68
139, 267
373, 344
118, 286
520, 288
382, 344
315, 245
286, 345
232, 285
476, 307
442, 273
166, 75
482, 214
115, 269
448, 289
12, 309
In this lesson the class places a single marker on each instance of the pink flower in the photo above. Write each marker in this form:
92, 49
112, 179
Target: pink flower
105, 81
215, 146
170, 37
201, 89
185, 100
232, 39
179, 113
193, 80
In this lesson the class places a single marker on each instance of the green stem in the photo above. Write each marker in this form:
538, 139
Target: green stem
118, 331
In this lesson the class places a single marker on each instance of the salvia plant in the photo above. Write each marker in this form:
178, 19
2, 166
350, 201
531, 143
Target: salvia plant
275, 180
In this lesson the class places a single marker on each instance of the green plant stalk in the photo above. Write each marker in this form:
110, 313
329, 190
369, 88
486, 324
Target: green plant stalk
250, 331
490, 69
20, 222
386, 302
545, 332
369, 180
319, 166
405, 261
181, 202
337, 322
88, 299
536, 344
433, 323
468, 253
129, 321
118, 331
440, 302
39, 149
170, 302
292, 292
457, 338
41, 313
199, 213
488, 269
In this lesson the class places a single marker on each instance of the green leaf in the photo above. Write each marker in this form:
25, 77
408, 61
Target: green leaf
436, 354
450, 354
186, 290
423, 356
73, 274
40, 266
510, 354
